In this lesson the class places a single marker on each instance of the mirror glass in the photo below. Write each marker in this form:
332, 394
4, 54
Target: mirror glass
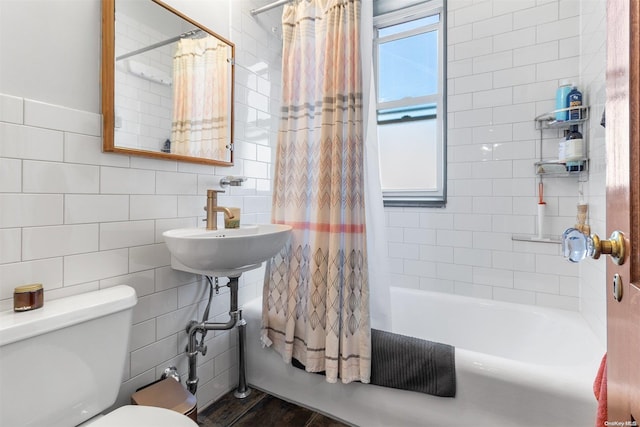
167, 84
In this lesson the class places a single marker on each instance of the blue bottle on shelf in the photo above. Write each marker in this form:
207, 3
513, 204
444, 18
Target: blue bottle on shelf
574, 99
561, 100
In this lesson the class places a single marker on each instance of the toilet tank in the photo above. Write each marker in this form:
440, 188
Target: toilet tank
63, 363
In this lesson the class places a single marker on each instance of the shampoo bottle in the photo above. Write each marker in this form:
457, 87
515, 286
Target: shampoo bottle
561, 100
574, 146
574, 99
574, 150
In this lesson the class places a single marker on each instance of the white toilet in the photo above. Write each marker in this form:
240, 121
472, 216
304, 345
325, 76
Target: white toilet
62, 365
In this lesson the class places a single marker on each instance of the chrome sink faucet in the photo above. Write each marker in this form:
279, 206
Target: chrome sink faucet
212, 209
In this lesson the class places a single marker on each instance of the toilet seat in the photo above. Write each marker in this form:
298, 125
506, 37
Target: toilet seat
143, 416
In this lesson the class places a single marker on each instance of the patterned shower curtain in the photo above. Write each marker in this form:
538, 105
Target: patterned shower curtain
200, 112
316, 292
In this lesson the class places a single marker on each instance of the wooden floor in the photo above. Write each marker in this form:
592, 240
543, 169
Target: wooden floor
261, 409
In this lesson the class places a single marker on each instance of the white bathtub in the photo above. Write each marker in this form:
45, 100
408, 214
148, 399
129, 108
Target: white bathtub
516, 365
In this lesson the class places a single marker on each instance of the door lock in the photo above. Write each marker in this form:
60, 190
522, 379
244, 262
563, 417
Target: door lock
576, 246
617, 287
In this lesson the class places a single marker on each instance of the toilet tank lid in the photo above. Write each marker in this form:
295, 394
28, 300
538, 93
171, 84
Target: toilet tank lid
64, 312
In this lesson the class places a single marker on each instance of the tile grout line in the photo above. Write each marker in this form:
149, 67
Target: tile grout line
311, 419
246, 411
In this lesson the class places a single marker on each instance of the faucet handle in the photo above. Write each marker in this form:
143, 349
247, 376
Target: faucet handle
211, 192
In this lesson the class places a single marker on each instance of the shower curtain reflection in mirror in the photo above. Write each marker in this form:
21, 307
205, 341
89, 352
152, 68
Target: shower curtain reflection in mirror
200, 124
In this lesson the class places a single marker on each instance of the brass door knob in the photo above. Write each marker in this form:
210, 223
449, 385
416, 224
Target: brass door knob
576, 246
613, 247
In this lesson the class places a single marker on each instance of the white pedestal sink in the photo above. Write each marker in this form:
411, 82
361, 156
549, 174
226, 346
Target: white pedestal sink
226, 252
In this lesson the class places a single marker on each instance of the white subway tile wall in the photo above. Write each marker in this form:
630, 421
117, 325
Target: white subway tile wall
506, 59
592, 280
76, 219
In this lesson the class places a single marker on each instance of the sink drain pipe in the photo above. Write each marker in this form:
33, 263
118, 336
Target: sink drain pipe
193, 348
242, 391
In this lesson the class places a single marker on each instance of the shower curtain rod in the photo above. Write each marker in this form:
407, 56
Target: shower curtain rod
159, 44
270, 6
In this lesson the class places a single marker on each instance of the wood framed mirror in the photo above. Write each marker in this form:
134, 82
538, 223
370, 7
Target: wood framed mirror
167, 84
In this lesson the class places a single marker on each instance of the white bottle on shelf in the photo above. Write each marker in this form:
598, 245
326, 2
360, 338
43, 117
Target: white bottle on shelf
562, 150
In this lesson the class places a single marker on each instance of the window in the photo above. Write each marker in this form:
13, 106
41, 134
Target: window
409, 51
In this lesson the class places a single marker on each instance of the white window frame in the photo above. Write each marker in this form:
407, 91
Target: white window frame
437, 197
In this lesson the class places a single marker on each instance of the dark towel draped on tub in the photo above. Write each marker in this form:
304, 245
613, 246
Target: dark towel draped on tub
409, 363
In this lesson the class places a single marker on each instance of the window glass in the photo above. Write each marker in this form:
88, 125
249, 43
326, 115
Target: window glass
408, 67
407, 26
404, 148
